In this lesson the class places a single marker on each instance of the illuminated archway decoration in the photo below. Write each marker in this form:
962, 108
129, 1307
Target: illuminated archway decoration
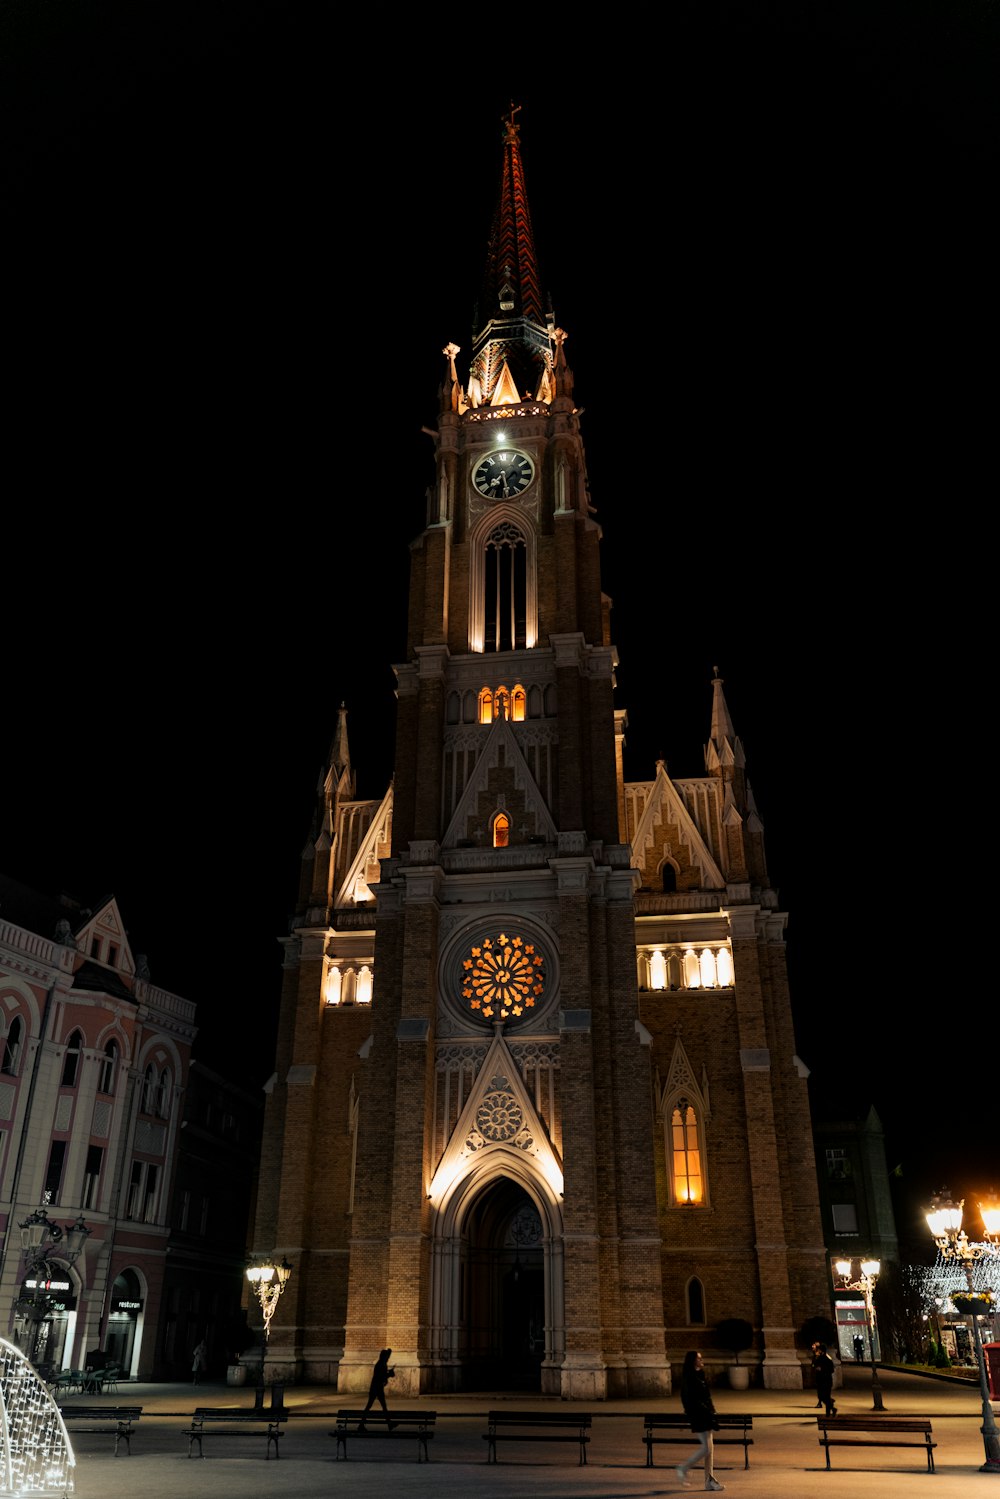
35, 1452
502, 977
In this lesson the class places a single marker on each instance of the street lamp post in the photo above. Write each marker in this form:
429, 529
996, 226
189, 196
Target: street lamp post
41, 1241
865, 1283
267, 1280
944, 1219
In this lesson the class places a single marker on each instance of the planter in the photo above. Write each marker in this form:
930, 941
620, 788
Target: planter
739, 1377
973, 1306
236, 1374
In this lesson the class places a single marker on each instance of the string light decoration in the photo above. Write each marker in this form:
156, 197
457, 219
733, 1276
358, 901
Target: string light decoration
503, 977
36, 1456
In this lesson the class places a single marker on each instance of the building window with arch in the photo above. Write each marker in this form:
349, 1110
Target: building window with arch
92, 1175
149, 1086
109, 1066
695, 1299
687, 1181
501, 830
12, 1046
486, 706
505, 562
71, 1061
163, 1095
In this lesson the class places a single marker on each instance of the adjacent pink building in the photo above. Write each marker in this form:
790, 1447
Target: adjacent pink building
94, 1062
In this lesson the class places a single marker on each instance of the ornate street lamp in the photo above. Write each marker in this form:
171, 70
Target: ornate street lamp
268, 1280
944, 1219
865, 1283
41, 1241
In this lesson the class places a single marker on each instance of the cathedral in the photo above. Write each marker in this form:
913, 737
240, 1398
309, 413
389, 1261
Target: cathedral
536, 1121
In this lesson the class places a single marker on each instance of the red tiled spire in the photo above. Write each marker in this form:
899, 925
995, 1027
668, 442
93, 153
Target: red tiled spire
511, 285
512, 351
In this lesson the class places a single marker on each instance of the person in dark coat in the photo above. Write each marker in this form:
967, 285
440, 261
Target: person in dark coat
381, 1374
696, 1399
825, 1370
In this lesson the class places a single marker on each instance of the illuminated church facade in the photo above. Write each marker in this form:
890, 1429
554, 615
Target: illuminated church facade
537, 1122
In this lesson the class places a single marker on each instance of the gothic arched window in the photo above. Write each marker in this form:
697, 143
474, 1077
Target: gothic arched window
505, 593
109, 1064
695, 1302
71, 1061
12, 1046
501, 830
687, 1184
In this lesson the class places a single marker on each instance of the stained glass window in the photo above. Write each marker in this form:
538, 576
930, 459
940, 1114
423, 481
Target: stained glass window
685, 1154
502, 977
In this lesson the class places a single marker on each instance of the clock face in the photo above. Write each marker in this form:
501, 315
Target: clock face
503, 474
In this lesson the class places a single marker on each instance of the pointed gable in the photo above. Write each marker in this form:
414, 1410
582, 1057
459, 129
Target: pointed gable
501, 782
666, 828
499, 1117
355, 887
102, 937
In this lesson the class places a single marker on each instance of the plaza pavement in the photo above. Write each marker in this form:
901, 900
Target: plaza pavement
785, 1460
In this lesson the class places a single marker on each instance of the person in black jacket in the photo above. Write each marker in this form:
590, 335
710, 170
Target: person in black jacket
381, 1374
825, 1370
700, 1411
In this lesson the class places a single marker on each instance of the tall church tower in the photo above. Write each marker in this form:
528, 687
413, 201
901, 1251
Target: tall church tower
537, 1121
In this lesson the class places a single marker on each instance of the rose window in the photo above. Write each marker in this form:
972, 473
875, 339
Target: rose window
502, 977
499, 1116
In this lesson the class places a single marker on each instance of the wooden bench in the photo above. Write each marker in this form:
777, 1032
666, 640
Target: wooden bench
229, 1422
362, 1425
875, 1431
676, 1428
103, 1421
536, 1426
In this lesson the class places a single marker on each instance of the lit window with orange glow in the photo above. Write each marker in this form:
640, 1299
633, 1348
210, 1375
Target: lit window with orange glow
501, 703
685, 1155
501, 830
517, 704
486, 706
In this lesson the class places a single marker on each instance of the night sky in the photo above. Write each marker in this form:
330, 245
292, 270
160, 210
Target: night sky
239, 246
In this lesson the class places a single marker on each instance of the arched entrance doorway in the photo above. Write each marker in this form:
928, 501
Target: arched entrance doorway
125, 1319
504, 1291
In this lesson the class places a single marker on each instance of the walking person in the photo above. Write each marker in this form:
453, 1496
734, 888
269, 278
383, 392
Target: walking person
381, 1374
700, 1411
198, 1360
825, 1370
815, 1368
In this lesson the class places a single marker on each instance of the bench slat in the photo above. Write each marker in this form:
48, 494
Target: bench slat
418, 1424
881, 1432
499, 1423
123, 1417
212, 1421
680, 1424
